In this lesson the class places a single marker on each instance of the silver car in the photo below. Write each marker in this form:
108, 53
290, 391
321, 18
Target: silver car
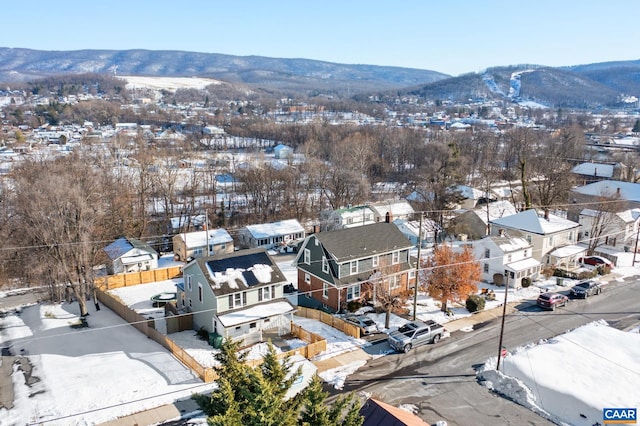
415, 333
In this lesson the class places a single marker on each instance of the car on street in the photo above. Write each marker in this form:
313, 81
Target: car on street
597, 261
366, 324
586, 289
415, 333
551, 300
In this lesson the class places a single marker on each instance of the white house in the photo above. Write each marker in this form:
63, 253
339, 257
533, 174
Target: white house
275, 235
130, 255
616, 230
400, 209
198, 244
547, 233
508, 255
431, 231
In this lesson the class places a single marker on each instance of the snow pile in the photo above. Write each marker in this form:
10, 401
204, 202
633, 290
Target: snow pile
571, 378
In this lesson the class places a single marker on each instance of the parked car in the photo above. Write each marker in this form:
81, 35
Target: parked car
415, 333
551, 300
596, 261
586, 289
366, 324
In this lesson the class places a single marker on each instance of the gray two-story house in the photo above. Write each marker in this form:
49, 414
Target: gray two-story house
237, 295
336, 267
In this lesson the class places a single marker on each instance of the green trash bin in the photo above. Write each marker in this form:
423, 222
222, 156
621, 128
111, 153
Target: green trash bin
560, 281
215, 340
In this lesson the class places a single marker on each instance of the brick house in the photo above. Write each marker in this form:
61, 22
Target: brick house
337, 267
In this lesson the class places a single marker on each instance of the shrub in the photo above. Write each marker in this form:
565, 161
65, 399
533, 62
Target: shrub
475, 303
203, 334
526, 282
604, 270
354, 305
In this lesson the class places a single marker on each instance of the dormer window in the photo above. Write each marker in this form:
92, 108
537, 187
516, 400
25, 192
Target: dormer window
353, 267
395, 257
325, 265
307, 256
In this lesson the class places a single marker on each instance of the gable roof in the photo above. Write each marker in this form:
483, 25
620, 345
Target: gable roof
628, 190
284, 227
497, 210
123, 245
594, 169
396, 208
238, 271
531, 221
199, 238
363, 241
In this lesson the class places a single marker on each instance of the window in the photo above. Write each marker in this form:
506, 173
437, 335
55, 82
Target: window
395, 281
375, 261
197, 251
266, 293
508, 258
349, 221
325, 265
550, 242
529, 238
485, 268
307, 278
353, 292
412, 274
237, 299
200, 292
252, 325
307, 256
353, 266
526, 253
222, 247
487, 253
395, 257
190, 304
188, 282
325, 290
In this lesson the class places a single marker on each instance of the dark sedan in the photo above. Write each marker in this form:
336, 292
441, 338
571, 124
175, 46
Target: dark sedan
586, 289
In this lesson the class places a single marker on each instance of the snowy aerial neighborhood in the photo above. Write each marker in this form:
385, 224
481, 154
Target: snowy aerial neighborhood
496, 295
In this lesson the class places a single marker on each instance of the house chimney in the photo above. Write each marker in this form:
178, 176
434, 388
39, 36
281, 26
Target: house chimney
501, 232
546, 214
388, 217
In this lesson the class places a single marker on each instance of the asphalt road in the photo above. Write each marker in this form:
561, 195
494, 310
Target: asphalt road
440, 379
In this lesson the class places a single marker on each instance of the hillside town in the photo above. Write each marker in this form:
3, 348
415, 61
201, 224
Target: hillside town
256, 223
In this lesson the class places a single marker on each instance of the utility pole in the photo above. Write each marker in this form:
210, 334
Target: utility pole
415, 291
504, 313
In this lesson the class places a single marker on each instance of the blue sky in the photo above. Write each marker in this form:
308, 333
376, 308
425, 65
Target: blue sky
449, 37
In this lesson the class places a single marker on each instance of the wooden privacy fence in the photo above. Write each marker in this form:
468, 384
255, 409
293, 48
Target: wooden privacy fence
317, 344
335, 322
110, 282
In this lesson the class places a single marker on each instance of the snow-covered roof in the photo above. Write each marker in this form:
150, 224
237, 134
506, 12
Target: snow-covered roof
122, 246
497, 210
398, 208
199, 238
255, 313
531, 221
469, 193
509, 243
594, 169
523, 264
284, 227
628, 191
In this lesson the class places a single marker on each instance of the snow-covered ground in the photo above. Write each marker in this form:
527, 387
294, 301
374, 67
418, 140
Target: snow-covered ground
570, 378
114, 372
